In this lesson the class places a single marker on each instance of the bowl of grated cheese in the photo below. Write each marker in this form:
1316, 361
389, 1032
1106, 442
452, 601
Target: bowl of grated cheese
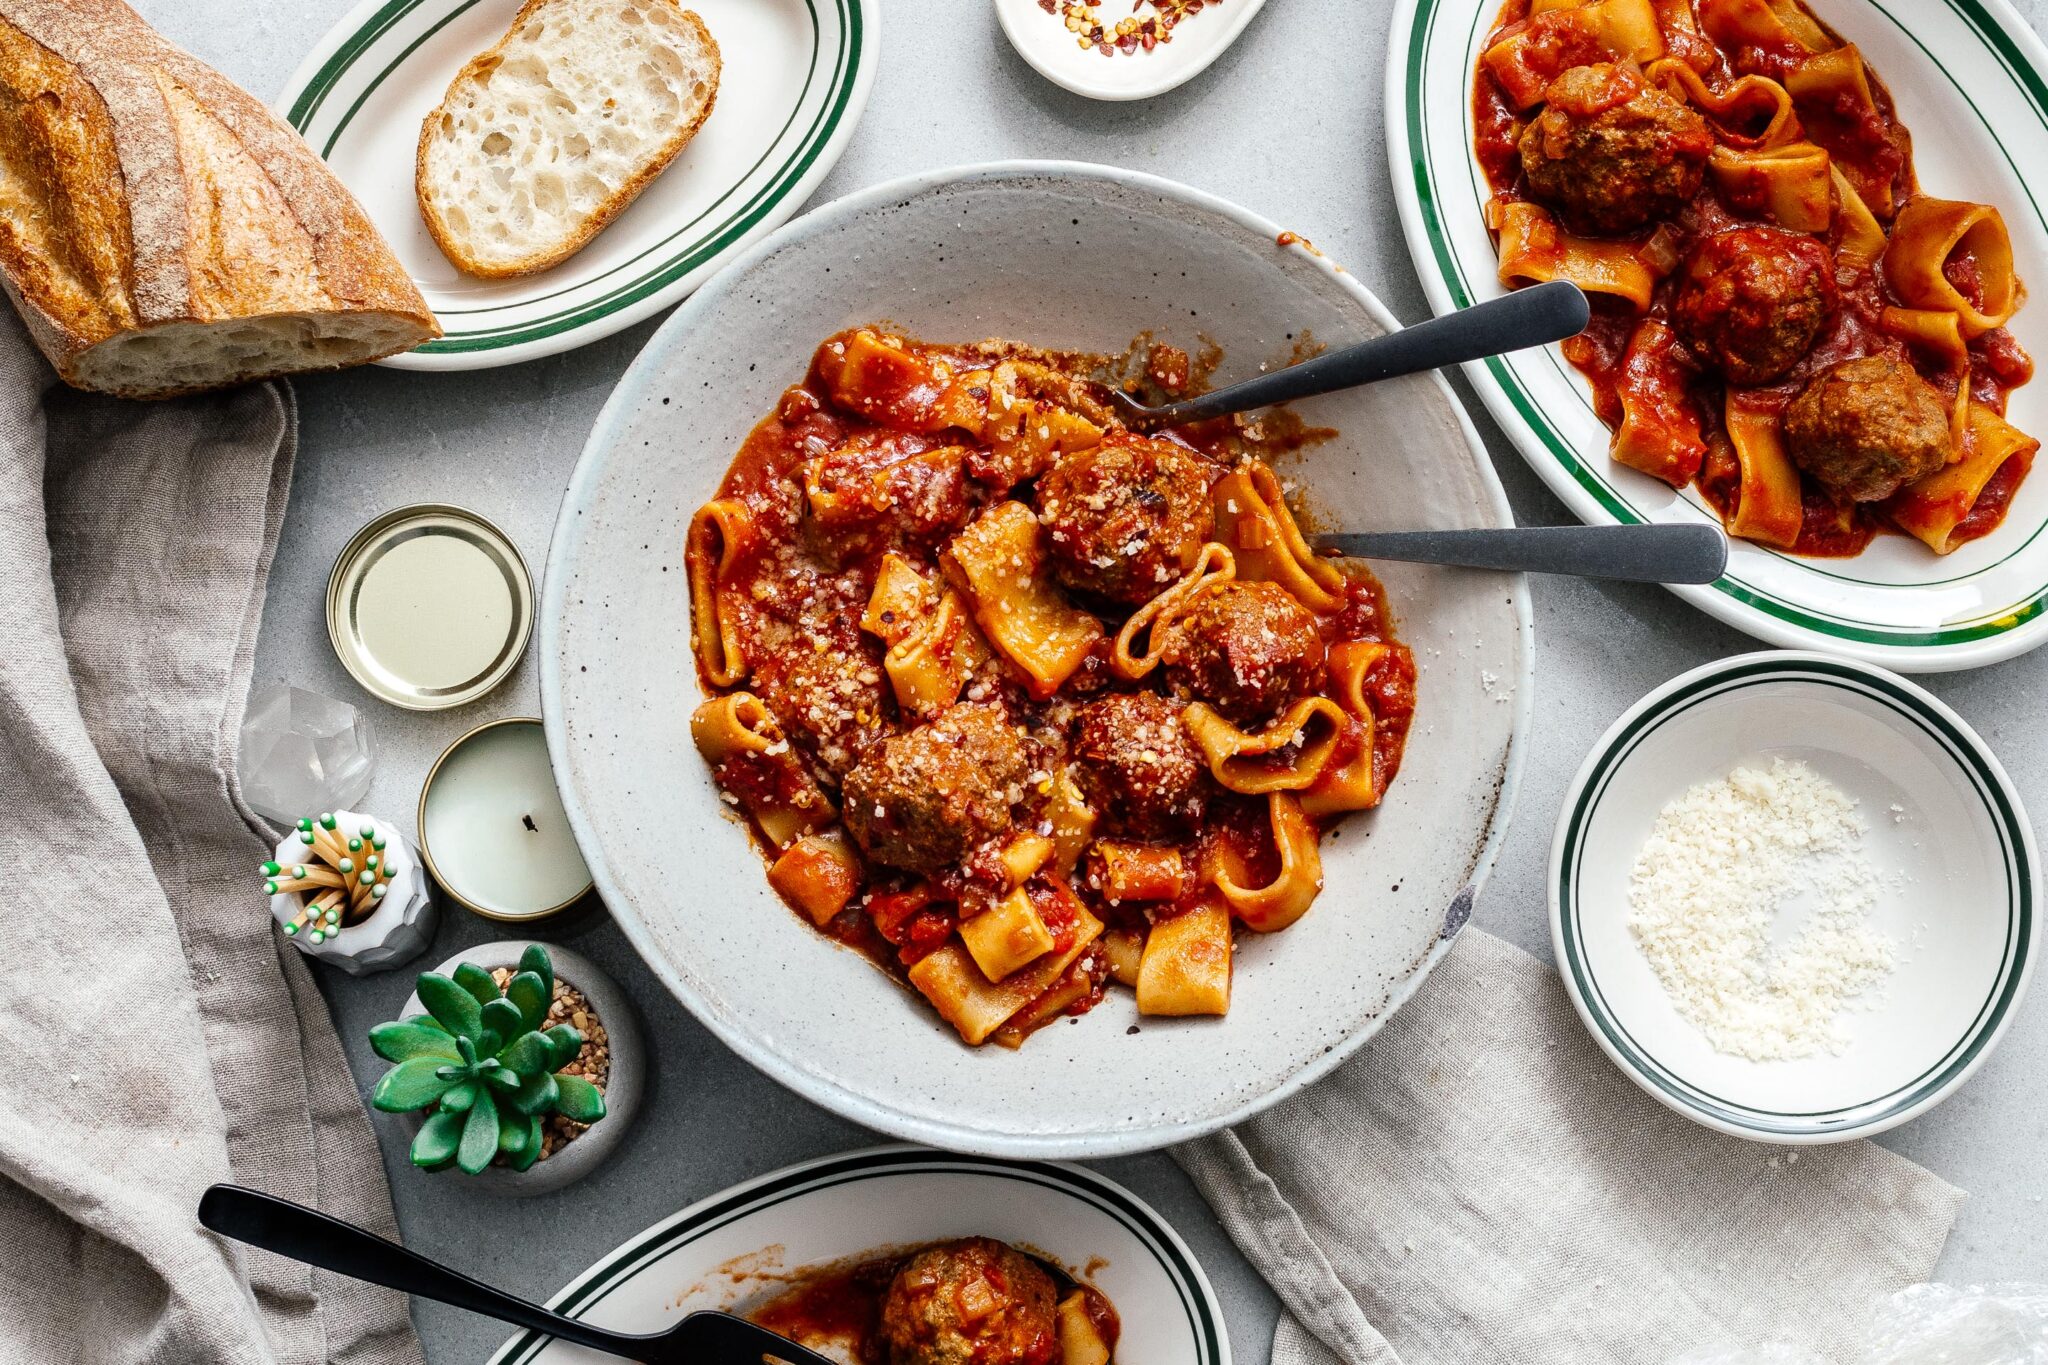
1794, 897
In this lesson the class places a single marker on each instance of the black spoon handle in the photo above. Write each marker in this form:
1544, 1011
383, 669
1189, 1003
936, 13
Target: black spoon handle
310, 1236
1528, 317
1635, 554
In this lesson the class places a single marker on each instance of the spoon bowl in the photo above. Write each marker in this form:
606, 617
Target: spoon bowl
1514, 322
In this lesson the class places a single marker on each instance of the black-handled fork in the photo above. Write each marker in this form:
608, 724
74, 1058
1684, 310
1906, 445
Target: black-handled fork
303, 1234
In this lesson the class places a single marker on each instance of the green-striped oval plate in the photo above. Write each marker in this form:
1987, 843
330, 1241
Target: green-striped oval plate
1967, 75
796, 76
737, 1248
1958, 877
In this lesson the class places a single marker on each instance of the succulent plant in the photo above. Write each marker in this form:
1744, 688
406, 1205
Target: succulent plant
480, 1059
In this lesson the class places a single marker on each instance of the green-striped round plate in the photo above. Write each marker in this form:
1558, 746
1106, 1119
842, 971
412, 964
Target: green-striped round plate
739, 1248
796, 76
1957, 881
1967, 76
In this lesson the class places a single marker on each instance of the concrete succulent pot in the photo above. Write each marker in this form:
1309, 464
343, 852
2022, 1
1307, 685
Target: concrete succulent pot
622, 1090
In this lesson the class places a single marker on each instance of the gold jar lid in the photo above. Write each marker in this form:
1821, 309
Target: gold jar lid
429, 606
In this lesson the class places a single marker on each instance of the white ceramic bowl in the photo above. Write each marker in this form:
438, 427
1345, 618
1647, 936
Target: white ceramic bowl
1959, 879
1021, 251
398, 930
739, 1247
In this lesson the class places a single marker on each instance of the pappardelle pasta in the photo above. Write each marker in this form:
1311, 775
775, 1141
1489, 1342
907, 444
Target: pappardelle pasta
1021, 703
1781, 317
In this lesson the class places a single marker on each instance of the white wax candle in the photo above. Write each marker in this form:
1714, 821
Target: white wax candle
493, 825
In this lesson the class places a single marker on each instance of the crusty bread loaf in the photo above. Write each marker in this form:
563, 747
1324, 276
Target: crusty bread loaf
161, 231
548, 136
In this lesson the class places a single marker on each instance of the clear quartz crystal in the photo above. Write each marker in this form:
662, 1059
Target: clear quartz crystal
302, 752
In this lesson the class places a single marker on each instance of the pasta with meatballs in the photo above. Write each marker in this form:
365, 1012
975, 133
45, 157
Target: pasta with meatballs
1021, 703
1783, 319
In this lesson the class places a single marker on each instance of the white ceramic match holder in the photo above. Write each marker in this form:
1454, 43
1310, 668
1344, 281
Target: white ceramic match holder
377, 872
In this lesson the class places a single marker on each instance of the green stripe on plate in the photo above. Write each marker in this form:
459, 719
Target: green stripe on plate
1996, 621
2019, 892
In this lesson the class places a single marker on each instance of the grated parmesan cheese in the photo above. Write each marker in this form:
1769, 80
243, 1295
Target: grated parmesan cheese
1723, 863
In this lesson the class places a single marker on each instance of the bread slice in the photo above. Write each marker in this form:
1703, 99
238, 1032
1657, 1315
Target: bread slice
161, 232
544, 139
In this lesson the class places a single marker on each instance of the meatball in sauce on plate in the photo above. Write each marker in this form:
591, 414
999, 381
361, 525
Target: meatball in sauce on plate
1866, 428
1612, 153
1125, 519
972, 1301
1751, 302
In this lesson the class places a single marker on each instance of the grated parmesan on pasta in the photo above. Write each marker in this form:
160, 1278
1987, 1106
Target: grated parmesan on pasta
1722, 864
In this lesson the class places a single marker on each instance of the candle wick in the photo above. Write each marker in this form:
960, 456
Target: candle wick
527, 820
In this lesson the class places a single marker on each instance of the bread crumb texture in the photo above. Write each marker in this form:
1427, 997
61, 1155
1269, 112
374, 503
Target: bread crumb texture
548, 136
1722, 865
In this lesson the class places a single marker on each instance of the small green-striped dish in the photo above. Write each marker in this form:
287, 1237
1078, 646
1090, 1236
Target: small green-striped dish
737, 1248
1968, 79
796, 77
1958, 885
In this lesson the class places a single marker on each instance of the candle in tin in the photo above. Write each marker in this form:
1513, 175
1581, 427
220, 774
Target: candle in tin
492, 828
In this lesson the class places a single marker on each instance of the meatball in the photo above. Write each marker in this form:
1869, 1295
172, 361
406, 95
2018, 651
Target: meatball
1610, 152
1138, 765
1127, 517
1751, 300
1248, 649
924, 799
1866, 428
976, 1301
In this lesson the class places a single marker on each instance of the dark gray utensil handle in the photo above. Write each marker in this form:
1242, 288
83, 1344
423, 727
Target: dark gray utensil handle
1634, 554
310, 1236
1535, 316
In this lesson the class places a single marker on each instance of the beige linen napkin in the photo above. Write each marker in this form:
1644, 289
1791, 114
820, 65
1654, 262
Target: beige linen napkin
1481, 1186
159, 1035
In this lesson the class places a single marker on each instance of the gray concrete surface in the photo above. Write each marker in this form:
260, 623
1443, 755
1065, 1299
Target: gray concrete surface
1289, 123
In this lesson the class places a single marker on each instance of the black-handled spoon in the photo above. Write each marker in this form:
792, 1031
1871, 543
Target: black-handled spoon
1634, 554
1529, 317
307, 1235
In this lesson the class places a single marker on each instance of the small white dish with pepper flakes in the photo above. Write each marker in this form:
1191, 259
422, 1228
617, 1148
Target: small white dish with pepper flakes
1123, 49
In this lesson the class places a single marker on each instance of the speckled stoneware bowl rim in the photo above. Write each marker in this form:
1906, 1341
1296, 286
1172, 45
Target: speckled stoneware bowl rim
1114, 1136
623, 1089
1905, 707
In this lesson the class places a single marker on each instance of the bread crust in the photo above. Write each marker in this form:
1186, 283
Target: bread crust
535, 261
147, 191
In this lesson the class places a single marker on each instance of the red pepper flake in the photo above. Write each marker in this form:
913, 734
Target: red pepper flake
1084, 20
